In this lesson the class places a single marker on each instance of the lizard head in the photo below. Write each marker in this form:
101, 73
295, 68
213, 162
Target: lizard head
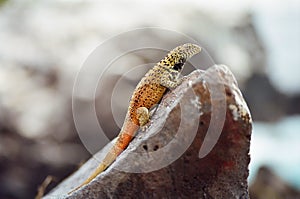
177, 57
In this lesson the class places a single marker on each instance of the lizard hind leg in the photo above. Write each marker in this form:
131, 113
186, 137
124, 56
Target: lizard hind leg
143, 116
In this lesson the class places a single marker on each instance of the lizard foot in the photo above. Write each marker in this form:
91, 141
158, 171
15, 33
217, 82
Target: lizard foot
143, 116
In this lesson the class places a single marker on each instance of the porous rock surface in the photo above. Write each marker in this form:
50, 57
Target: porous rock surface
197, 146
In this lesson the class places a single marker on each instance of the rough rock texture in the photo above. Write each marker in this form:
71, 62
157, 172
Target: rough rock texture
164, 160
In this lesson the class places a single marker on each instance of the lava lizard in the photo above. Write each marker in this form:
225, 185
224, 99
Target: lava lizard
164, 75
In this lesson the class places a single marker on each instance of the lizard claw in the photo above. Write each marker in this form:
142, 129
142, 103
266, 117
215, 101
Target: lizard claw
145, 127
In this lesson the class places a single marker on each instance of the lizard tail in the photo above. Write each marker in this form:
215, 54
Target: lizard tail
98, 170
122, 142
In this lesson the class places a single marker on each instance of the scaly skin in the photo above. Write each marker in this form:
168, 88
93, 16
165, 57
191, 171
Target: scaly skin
164, 75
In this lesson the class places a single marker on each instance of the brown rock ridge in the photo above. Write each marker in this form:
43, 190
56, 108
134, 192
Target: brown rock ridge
207, 117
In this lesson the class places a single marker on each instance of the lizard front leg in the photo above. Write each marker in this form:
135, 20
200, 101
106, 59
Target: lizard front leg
172, 80
142, 114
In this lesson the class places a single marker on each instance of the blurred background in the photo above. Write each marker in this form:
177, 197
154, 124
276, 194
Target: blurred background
43, 45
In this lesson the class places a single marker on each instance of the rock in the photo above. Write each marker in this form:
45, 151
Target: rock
267, 185
197, 146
